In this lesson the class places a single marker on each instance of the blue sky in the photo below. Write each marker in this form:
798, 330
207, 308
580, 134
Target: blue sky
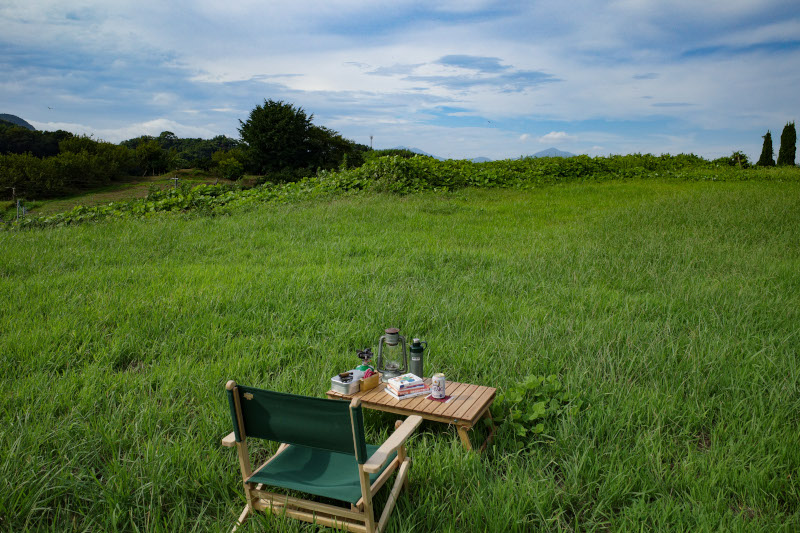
458, 79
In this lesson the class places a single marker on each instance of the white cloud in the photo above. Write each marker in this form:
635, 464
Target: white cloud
617, 63
115, 135
164, 98
557, 137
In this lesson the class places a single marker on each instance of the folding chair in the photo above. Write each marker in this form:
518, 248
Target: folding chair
322, 452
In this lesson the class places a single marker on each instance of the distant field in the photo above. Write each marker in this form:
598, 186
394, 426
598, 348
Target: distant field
670, 308
135, 187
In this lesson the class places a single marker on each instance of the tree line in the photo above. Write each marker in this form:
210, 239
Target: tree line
279, 143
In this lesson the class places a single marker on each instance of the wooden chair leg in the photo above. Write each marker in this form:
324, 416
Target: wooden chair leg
401, 453
366, 495
394, 495
242, 518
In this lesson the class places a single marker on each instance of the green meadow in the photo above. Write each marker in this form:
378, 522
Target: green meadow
669, 309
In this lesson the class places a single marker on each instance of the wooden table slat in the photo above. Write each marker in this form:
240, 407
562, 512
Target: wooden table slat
372, 394
379, 396
469, 402
418, 402
458, 395
481, 407
469, 407
483, 402
459, 409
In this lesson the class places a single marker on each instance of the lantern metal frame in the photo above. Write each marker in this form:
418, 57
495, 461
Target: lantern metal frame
392, 337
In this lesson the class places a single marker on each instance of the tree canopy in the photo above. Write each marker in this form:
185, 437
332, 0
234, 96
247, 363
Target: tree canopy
16, 139
282, 141
788, 148
277, 135
766, 159
193, 152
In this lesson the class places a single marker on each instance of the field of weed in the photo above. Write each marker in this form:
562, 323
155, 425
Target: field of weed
132, 187
670, 309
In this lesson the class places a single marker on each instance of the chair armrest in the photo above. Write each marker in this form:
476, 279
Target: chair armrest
229, 440
395, 440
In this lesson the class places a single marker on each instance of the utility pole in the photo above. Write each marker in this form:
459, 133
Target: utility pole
370, 142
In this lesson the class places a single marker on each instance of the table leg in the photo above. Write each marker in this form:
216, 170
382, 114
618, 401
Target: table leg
462, 432
490, 436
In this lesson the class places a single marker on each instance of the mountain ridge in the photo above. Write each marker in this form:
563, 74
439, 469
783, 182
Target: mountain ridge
14, 119
552, 152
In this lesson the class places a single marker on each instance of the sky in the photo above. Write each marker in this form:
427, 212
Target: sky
458, 79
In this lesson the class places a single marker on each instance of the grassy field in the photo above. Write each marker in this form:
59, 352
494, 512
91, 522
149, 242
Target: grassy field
669, 308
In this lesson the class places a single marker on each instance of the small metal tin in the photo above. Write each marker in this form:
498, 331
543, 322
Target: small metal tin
351, 387
437, 386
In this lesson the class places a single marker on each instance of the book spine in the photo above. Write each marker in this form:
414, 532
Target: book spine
412, 387
408, 395
415, 391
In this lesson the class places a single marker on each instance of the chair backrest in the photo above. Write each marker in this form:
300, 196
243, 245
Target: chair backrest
314, 422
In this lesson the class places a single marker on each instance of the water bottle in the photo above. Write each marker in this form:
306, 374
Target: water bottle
417, 350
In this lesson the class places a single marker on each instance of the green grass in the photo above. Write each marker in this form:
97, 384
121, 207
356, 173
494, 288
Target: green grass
669, 308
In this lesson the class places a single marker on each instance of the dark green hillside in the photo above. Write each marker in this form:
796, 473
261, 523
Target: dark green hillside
14, 119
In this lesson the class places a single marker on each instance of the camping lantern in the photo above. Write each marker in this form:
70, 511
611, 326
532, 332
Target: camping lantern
392, 359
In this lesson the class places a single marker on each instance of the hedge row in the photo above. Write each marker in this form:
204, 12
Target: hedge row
70, 171
401, 175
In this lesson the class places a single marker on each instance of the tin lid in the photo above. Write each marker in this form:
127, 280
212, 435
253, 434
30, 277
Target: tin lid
392, 331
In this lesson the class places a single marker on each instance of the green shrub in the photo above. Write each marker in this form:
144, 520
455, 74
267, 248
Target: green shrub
527, 410
230, 169
736, 159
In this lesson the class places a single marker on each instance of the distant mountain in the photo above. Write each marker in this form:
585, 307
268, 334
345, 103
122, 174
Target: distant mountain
14, 119
552, 152
480, 160
418, 151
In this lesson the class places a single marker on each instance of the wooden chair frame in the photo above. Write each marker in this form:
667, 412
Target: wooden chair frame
361, 516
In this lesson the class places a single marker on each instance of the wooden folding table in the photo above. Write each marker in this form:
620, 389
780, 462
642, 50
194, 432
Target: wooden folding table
467, 405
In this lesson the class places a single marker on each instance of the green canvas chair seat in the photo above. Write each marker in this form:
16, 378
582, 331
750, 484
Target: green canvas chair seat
322, 453
319, 472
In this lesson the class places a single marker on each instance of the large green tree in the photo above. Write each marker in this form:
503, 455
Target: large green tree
277, 137
788, 147
766, 159
327, 149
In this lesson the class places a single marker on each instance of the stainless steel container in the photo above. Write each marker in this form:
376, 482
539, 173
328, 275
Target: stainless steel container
416, 350
349, 387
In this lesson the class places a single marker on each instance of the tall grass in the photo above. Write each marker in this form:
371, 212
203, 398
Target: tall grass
670, 308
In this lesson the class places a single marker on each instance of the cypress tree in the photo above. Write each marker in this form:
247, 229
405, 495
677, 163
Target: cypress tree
766, 152
788, 145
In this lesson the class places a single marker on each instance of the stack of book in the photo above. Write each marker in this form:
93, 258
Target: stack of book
406, 386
